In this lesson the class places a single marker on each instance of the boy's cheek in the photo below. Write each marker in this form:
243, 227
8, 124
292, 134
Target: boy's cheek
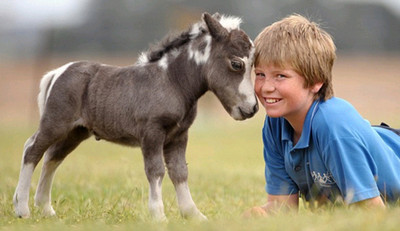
257, 87
260, 99
258, 91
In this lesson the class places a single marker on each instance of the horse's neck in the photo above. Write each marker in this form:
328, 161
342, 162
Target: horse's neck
188, 77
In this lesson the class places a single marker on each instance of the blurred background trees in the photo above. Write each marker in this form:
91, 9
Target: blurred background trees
37, 36
129, 26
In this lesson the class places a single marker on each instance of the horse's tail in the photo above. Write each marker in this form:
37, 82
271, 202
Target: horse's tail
46, 84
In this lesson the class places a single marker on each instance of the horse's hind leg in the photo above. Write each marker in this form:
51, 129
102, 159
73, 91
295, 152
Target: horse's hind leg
21, 195
34, 148
53, 158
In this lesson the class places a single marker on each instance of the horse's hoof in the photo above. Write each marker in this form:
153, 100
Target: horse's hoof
161, 219
22, 213
194, 215
48, 211
200, 217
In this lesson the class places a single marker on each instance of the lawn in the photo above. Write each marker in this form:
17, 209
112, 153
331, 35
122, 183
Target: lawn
102, 186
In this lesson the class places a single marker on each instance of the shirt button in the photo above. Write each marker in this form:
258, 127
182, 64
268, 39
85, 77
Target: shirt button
297, 168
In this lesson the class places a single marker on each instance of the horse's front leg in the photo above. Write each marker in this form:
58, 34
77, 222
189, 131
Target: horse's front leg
152, 149
174, 154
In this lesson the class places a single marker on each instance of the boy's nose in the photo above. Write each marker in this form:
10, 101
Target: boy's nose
268, 86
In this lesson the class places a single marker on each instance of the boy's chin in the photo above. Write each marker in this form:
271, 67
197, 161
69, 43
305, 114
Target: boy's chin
273, 115
271, 112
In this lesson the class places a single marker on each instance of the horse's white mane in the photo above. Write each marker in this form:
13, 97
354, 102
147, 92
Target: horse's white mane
230, 22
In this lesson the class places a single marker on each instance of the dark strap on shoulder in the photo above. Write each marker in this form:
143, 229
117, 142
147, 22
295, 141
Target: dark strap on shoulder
386, 126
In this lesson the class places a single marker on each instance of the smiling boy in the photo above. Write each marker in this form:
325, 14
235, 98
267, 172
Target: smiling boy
316, 145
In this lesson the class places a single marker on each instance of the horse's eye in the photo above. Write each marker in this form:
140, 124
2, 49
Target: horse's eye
237, 65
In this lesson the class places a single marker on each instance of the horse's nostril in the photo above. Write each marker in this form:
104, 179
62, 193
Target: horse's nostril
248, 114
255, 108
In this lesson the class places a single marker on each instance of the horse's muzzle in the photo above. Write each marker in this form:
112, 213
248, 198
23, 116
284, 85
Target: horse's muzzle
248, 113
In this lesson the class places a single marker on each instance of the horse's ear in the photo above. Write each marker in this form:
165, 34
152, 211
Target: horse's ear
216, 29
217, 16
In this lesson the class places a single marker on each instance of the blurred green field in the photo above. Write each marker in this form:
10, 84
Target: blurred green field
104, 182
102, 186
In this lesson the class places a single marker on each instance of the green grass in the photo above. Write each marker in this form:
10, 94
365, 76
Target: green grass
102, 186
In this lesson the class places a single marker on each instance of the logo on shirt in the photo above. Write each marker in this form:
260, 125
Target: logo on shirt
324, 179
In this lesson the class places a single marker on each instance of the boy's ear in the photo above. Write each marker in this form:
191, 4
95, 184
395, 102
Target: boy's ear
316, 87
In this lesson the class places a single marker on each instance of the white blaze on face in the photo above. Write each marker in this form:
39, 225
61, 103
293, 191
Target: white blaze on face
246, 86
245, 89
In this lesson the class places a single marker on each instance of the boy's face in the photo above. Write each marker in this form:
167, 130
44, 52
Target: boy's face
282, 93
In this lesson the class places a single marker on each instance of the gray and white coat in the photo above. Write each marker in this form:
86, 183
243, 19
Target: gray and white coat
150, 104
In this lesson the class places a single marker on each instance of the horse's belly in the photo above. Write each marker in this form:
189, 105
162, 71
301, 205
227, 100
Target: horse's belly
125, 139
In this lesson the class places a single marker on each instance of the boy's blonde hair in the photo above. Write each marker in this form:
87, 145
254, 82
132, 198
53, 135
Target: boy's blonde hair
296, 43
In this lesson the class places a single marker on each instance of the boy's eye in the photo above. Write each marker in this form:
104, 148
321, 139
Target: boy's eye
280, 76
260, 74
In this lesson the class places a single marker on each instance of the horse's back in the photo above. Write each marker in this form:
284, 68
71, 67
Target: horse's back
113, 102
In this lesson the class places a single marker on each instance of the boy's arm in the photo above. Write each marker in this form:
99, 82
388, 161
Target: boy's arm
372, 203
275, 204
352, 167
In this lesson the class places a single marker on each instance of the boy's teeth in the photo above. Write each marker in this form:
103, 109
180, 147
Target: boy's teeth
272, 100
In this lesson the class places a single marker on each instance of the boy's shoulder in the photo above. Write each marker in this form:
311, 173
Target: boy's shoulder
337, 115
336, 109
335, 104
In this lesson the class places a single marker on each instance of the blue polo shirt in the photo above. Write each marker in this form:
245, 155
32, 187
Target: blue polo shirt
338, 154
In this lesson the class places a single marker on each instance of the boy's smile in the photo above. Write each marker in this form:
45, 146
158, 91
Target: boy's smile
272, 100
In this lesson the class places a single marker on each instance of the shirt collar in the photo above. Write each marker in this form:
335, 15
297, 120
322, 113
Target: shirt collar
304, 141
